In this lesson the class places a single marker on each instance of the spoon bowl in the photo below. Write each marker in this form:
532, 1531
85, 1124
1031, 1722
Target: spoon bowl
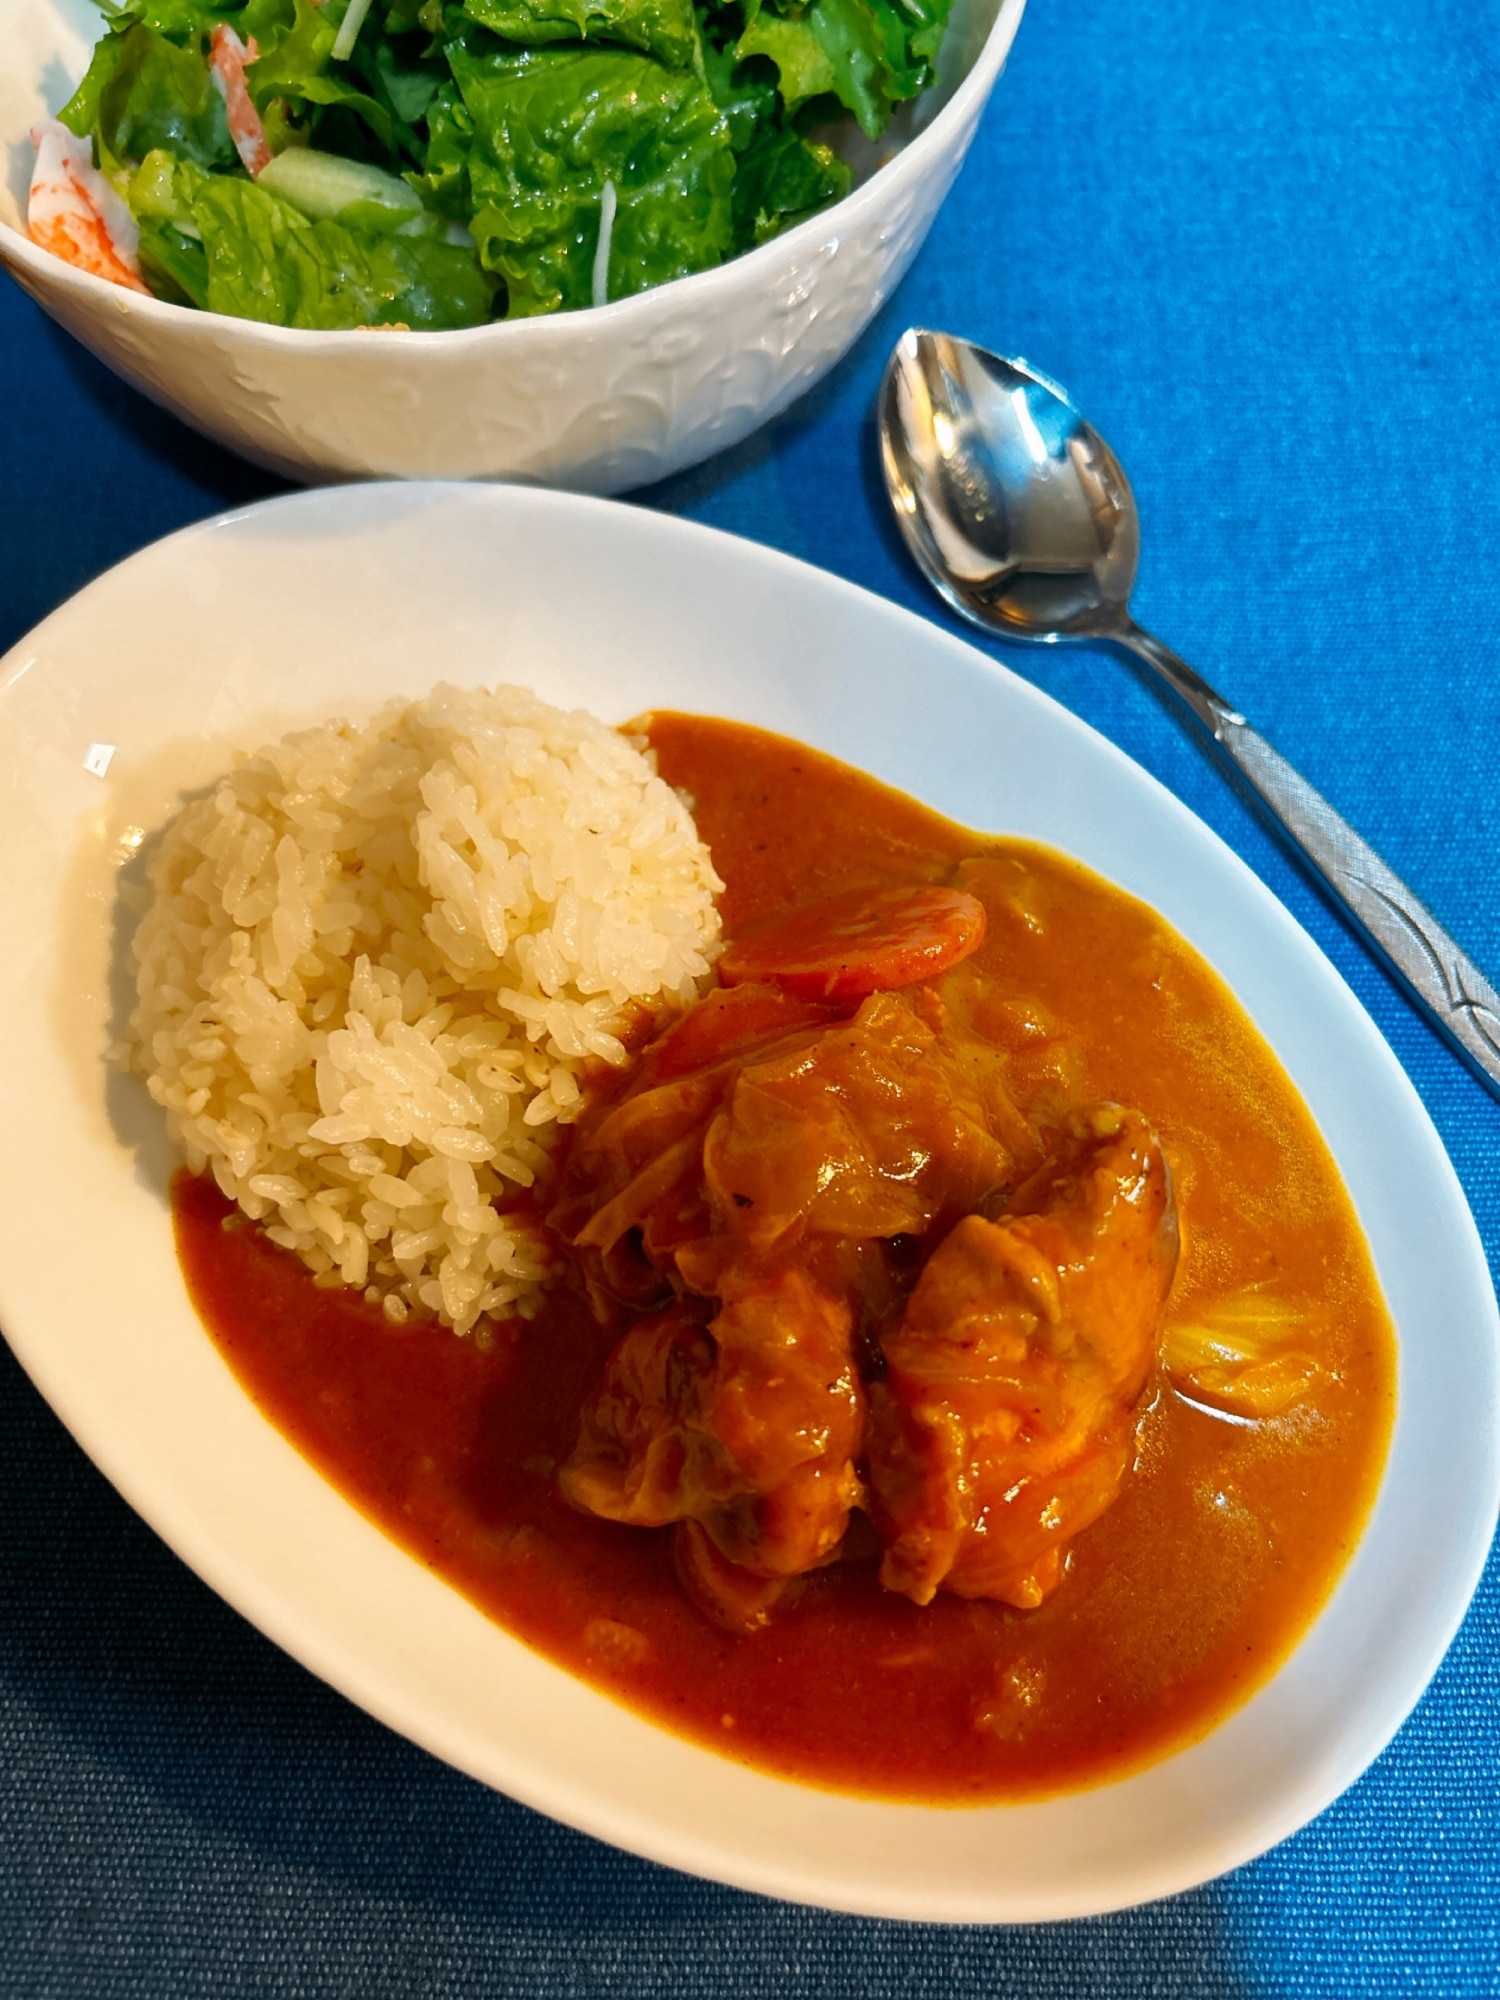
1016, 509
1021, 517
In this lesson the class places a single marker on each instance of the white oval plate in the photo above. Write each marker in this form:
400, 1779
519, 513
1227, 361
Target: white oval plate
323, 602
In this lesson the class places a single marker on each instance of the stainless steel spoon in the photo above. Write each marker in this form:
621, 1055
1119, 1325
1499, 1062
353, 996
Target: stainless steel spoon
1021, 517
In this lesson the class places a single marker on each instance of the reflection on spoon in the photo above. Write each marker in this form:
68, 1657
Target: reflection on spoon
1021, 517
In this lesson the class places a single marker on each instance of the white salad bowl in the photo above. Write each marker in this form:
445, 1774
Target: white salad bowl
600, 400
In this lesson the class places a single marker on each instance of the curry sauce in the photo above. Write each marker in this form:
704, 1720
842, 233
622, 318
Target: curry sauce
1256, 1452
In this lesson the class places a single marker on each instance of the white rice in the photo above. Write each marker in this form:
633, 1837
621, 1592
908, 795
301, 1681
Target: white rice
377, 961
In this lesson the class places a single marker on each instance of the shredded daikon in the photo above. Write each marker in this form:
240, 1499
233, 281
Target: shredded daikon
349, 27
607, 207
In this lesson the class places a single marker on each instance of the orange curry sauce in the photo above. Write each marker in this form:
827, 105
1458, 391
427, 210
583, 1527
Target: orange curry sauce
1178, 1602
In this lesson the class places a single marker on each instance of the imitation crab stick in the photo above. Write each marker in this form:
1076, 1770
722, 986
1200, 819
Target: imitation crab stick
227, 58
74, 212
867, 941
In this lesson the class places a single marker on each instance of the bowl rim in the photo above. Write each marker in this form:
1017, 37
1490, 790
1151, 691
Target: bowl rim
924, 148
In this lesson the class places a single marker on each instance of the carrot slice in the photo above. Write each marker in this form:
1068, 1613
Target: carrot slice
726, 1023
865, 942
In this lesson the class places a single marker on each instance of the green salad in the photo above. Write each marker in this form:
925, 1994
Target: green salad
439, 163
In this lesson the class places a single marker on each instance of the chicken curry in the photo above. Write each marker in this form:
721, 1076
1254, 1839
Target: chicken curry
971, 1376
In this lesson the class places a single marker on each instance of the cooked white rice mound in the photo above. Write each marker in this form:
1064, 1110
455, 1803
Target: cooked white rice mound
376, 962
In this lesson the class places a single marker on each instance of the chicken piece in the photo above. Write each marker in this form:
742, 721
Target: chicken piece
633, 1188
1003, 1424
758, 1121
749, 1426
780, 1167
875, 1128
636, 1433
726, 1593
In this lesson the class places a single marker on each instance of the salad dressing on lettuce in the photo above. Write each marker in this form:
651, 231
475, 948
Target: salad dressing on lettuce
431, 165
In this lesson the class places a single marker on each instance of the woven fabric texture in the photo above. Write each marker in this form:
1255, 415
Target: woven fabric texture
1259, 245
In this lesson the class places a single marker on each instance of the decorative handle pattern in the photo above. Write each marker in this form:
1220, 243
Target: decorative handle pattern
1443, 980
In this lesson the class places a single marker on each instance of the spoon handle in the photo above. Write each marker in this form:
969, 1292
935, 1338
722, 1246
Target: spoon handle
1442, 979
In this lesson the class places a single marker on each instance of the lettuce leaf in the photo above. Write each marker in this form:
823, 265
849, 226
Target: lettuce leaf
781, 178
665, 29
149, 85
508, 117
407, 87
442, 19
741, 90
263, 260
181, 21
292, 67
331, 93
189, 23
404, 81
173, 261
81, 112
173, 264
780, 175
142, 91
444, 286
445, 179
549, 128
869, 54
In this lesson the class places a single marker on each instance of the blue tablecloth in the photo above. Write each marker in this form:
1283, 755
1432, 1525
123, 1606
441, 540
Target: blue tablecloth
1259, 244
